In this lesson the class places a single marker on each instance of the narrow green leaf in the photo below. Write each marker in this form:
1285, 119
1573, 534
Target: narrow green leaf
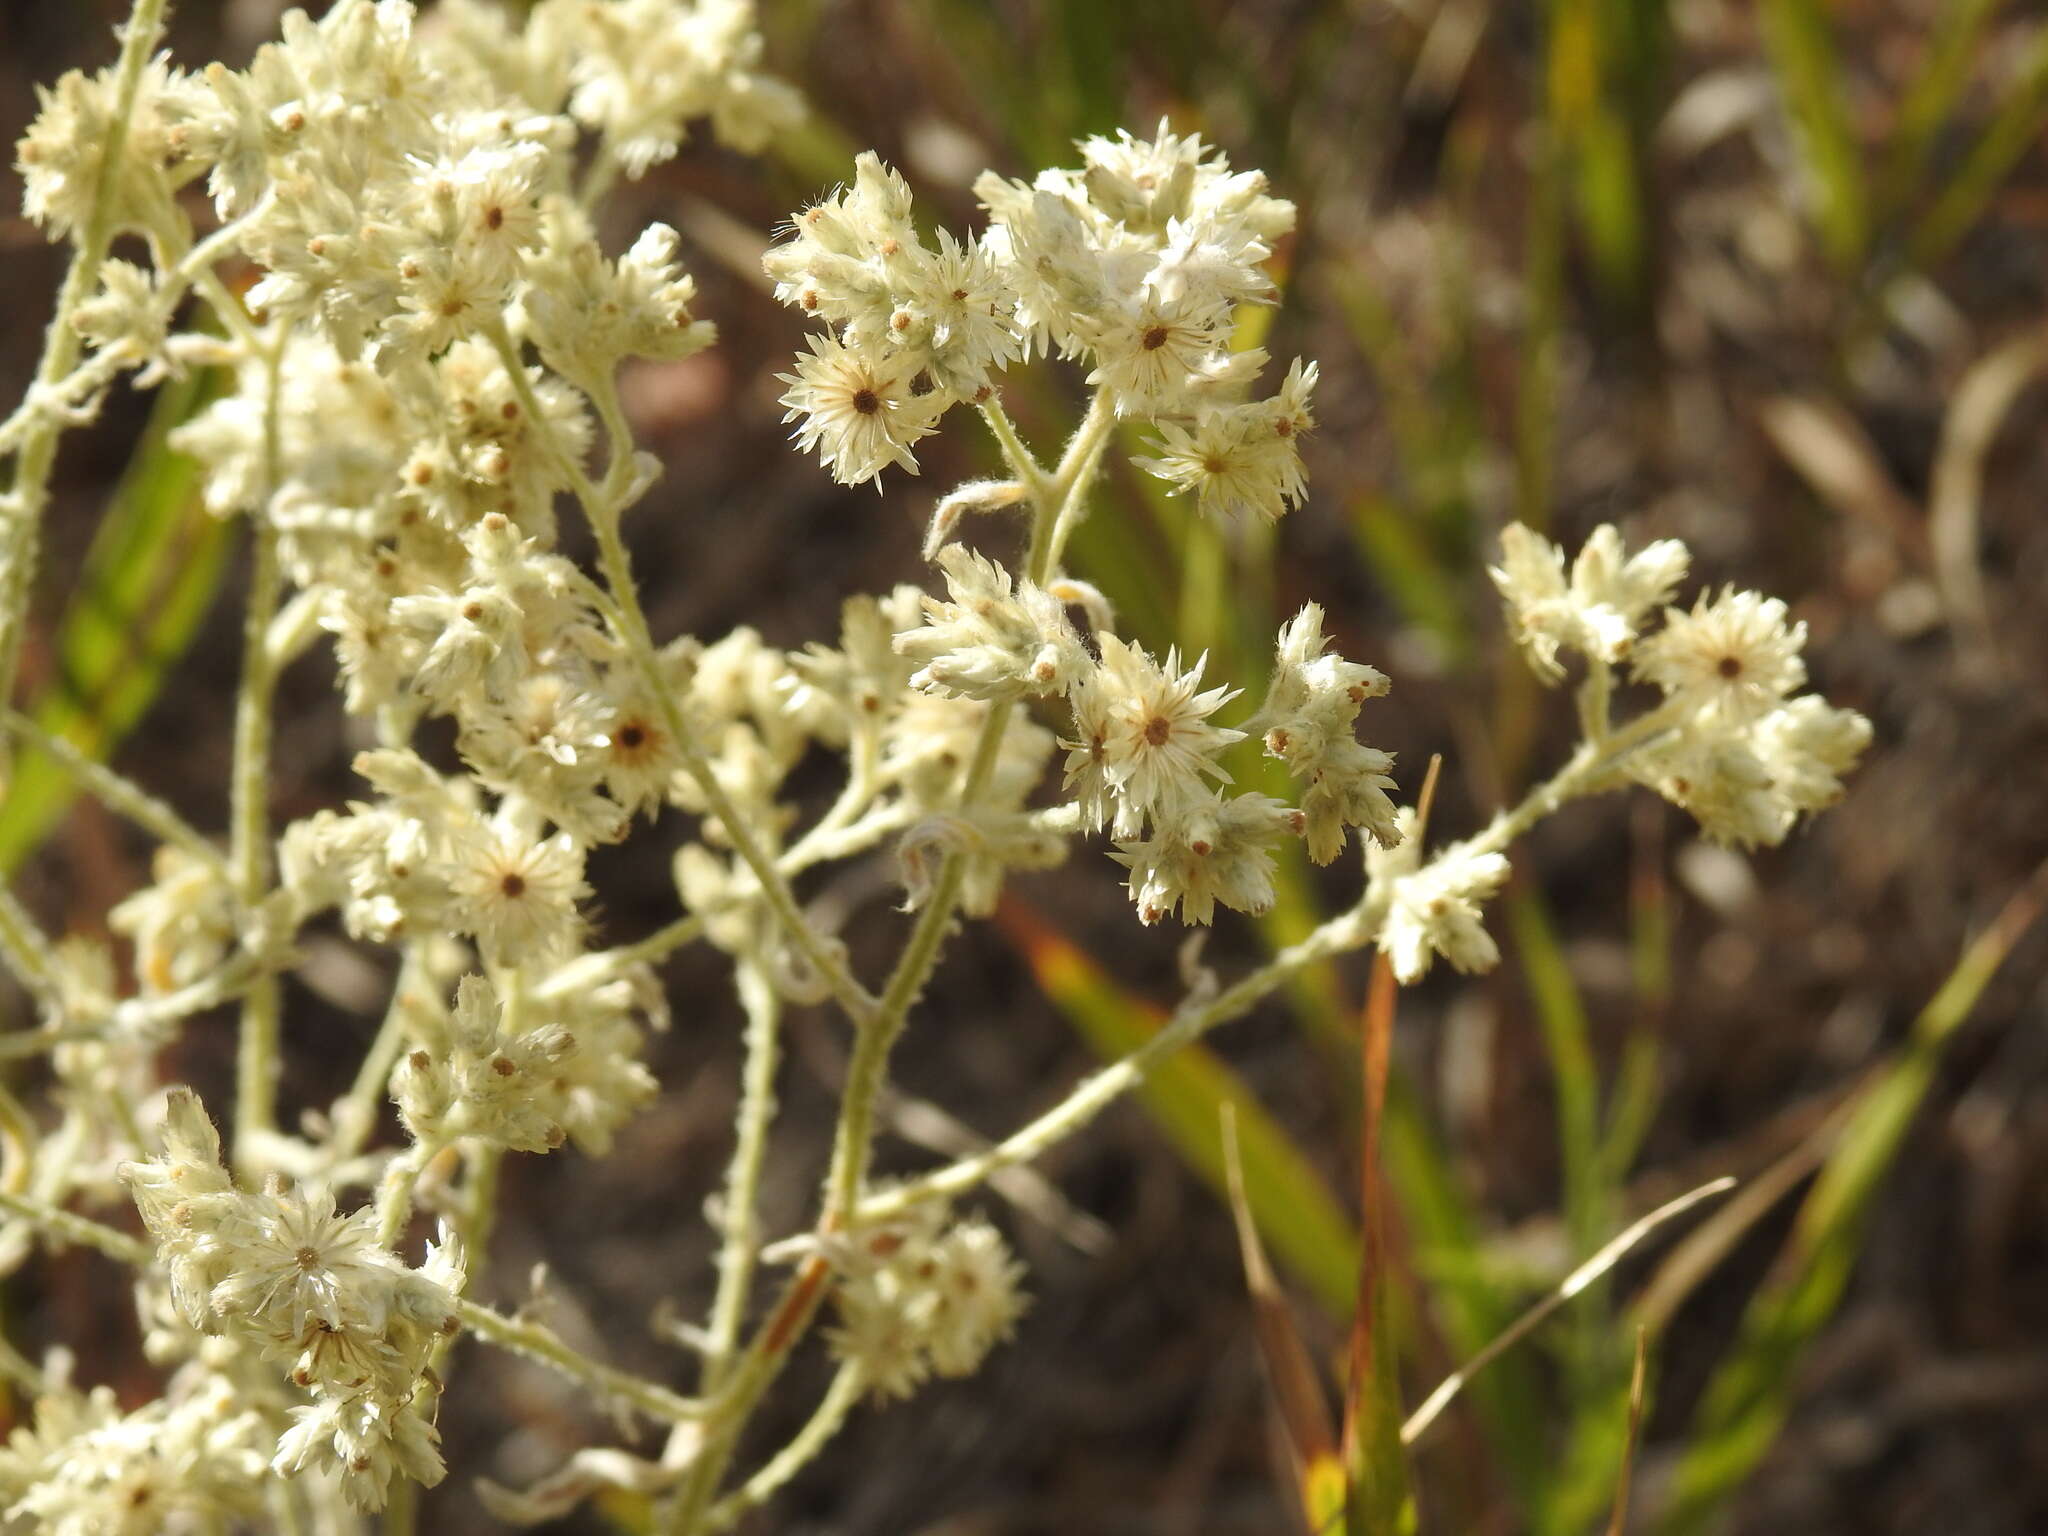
2017, 125
1810, 73
149, 580
1751, 1393
1931, 101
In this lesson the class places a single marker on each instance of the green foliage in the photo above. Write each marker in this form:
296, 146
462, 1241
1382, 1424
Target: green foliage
149, 580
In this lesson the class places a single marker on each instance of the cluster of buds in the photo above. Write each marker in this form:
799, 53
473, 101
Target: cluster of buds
185, 1464
920, 1301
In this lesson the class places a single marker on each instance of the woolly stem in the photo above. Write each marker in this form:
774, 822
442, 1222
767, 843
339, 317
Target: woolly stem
601, 506
543, 1344
742, 1218
21, 508
256, 1063
802, 1450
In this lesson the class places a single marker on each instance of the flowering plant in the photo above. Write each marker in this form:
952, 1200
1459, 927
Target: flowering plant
424, 371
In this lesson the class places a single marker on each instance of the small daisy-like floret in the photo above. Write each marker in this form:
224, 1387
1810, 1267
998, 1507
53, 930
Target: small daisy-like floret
1748, 782
645, 68
968, 309
990, 641
586, 314
314, 1291
61, 157
518, 895
1733, 654
853, 257
301, 1266
1087, 779
1232, 462
1711, 772
182, 925
1808, 746
366, 1439
1600, 611
1219, 850
977, 1297
1158, 750
860, 413
471, 1075
1148, 350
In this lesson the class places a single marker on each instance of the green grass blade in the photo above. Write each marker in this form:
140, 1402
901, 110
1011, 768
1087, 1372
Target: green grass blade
2013, 130
1747, 1402
1810, 73
1567, 1039
149, 580
1930, 102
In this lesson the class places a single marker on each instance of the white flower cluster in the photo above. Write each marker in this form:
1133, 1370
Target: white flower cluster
1729, 743
315, 1292
916, 1302
1135, 263
186, 1464
1599, 610
1746, 758
1145, 760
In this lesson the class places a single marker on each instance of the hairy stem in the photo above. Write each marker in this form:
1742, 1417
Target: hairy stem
742, 1218
1346, 931
537, 1342
21, 509
256, 1063
1054, 502
601, 506
802, 1450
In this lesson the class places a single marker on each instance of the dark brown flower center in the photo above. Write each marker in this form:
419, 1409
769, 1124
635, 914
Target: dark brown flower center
866, 401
